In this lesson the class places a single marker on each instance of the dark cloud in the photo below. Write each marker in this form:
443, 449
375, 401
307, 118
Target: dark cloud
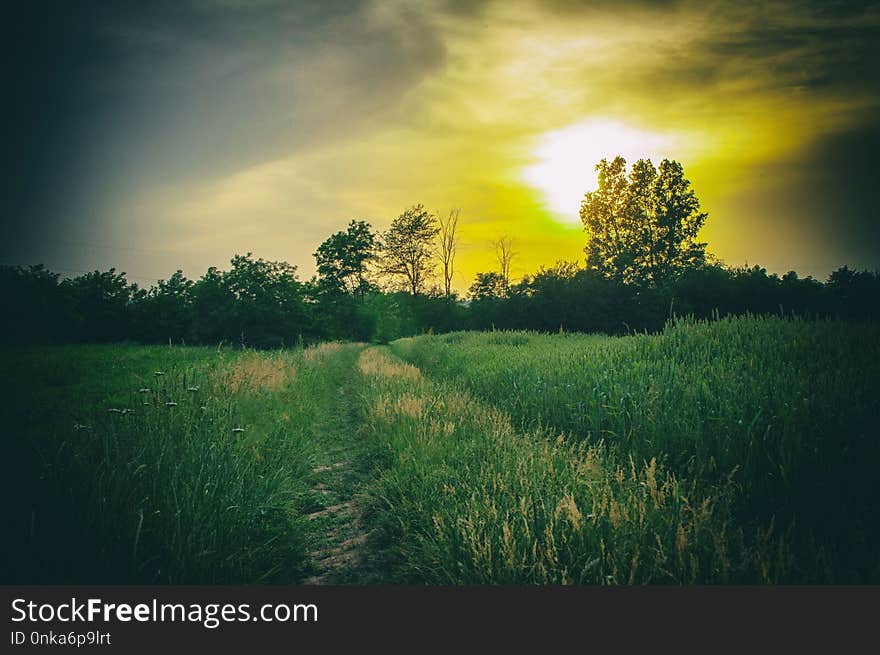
582, 7
817, 205
838, 195
824, 9
111, 97
838, 58
829, 48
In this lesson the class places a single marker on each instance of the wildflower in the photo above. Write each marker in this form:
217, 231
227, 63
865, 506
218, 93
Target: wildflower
171, 403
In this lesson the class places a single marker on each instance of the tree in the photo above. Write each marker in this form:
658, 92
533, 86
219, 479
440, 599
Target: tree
642, 228
343, 259
34, 305
856, 293
488, 307
603, 213
212, 304
678, 221
270, 305
100, 305
505, 254
256, 302
407, 248
487, 286
448, 244
165, 312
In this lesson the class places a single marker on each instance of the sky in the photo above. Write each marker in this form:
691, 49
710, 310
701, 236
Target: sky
164, 135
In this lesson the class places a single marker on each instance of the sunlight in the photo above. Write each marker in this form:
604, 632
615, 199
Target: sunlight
564, 170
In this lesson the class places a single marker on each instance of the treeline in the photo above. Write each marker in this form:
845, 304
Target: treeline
570, 298
644, 264
262, 304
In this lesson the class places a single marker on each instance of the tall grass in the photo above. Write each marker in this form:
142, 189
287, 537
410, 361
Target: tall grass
742, 450
782, 409
464, 498
158, 465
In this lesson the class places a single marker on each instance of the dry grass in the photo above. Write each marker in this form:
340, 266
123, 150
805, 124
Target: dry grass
317, 354
373, 362
258, 371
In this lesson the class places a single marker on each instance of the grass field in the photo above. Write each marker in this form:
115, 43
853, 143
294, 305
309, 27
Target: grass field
742, 450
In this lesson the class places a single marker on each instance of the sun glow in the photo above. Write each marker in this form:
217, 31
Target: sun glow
566, 159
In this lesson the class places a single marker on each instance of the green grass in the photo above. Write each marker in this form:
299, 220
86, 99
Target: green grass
464, 498
779, 413
742, 450
203, 477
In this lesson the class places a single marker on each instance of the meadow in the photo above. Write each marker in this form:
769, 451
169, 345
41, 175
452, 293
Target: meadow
163, 464
741, 450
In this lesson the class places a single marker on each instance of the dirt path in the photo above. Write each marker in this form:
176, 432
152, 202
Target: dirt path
340, 469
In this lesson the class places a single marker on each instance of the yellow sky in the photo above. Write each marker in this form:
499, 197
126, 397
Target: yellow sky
508, 126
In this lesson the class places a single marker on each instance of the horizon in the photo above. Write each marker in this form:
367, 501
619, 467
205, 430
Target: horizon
151, 139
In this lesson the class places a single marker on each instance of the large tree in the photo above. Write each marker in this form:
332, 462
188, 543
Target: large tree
642, 227
100, 303
166, 311
256, 302
407, 248
343, 258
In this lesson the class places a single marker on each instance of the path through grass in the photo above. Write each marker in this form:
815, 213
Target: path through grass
340, 467
736, 451
179, 465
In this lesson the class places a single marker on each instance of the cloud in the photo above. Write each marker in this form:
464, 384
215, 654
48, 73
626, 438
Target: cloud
203, 128
817, 204
138, 95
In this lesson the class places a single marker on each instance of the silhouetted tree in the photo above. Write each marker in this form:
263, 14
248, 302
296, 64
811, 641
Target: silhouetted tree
677, 221
165, 313
801, 296
447, 249
703, 290
270, 301
642, 229
256, 302
407, 248
856, 293
487, 286
342, 259
100, 305
212, 304
35, 306
504, 254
